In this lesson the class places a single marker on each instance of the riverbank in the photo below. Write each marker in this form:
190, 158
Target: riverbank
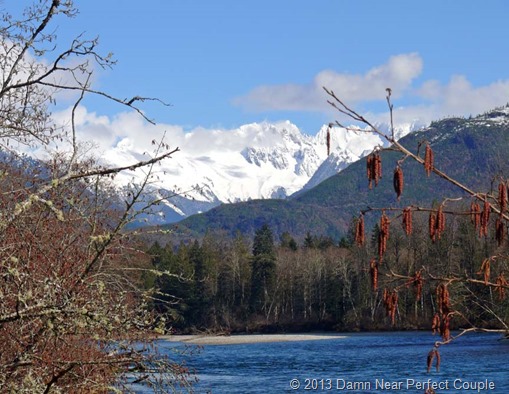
248, 338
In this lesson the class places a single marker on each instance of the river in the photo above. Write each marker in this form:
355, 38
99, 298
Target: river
358, 363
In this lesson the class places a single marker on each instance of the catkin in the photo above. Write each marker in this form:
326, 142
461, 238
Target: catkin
407, 220
443, 300
378, 168
433, 355
444, 310
359, 231
390, 301
432, 228
485, 218
502, 283
373, 269
383, 235
374, 168
428, 160
440, 222
327, 141
398, 181
369, 169
502, 197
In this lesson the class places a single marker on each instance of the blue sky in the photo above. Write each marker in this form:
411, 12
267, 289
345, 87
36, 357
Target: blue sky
225, 63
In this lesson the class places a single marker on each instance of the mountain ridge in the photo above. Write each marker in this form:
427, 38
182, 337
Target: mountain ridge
477, 144
256, 161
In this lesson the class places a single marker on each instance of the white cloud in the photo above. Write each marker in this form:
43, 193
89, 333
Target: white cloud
429, 101
127, 133
458, 97
398, 74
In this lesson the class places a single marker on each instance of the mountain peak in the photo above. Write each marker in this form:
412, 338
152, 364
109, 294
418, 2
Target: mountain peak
255, 161
476, 144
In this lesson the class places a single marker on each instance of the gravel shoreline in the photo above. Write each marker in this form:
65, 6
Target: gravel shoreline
247, 338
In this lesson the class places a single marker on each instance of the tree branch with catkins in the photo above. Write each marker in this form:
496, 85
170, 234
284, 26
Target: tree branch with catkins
482, 205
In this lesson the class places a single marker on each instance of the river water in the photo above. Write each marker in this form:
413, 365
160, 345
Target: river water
359, 363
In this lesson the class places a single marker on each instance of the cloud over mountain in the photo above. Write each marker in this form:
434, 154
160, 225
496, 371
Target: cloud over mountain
422, 102
398, 73
253, 161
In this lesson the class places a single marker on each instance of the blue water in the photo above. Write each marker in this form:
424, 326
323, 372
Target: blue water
359, 363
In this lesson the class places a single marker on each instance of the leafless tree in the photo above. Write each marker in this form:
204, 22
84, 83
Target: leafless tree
450, 286
72, 316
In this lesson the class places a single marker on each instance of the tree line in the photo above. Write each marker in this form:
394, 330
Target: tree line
235, 285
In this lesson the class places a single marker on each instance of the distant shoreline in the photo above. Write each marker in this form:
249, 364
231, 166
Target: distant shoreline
247, 338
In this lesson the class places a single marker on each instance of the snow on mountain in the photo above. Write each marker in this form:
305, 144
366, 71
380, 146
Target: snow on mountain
348, 146
255, 161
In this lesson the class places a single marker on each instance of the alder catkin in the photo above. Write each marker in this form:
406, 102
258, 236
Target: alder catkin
373, 269
378, 168
369, 168
390, 301
383, 235
374, 168
398, 181
407, 220
327, 140
432, 228
475, 214
502, 283
428, 160
443, 300
439, 222
502, 197
433, 355
485, 218
359, 231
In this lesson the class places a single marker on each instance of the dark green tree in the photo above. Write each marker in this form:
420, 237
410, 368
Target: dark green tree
201, 301
174, 288
263, 267
287, 241
310, 241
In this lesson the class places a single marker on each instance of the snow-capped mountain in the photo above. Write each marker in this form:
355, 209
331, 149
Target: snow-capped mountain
348, 146
255, 161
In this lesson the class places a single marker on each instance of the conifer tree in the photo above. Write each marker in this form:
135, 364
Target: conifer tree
263, 267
